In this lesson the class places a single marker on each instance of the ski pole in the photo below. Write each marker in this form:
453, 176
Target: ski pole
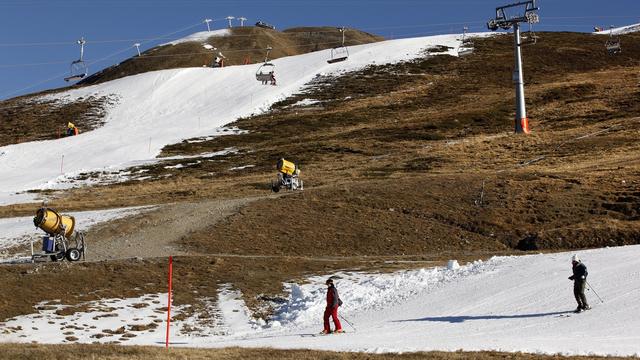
348, 322
594, 291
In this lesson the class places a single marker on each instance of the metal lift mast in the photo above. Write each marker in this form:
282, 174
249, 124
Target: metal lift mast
502, 21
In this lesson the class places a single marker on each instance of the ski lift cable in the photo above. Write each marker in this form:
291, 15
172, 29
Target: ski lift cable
167, 36
3, 66
107, 41
59, 75
173, 55
240, 50
337, 43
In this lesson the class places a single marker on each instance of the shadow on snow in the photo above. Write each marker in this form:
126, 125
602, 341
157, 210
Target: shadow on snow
460, 319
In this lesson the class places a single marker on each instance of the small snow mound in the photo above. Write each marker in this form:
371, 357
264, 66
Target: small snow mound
453, 265
363, 292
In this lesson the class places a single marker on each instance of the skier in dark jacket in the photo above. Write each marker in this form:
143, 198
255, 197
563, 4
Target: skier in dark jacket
579, 278
333, 302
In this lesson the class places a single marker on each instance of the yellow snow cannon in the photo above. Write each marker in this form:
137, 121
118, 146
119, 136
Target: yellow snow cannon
53, 223
62, 240
288, 176
287, 167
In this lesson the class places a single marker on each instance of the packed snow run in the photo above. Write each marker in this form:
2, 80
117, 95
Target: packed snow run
506, 304
165, 107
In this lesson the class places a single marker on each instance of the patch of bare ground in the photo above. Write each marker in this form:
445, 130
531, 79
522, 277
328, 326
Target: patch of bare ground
27, 118
157, 233
112, 352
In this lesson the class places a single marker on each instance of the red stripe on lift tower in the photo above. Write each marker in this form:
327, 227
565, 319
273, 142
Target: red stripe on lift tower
524, 122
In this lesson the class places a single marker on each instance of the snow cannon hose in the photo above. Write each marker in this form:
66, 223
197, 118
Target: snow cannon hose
53, 223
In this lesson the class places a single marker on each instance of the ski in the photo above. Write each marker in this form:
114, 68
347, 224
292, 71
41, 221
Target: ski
321, 334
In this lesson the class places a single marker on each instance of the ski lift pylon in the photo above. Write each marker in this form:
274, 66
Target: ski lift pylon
78, 69
339, 53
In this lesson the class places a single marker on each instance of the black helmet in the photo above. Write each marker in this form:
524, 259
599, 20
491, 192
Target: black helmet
329, 281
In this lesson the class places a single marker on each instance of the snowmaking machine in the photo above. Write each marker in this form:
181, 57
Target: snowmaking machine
288, 176
61, 240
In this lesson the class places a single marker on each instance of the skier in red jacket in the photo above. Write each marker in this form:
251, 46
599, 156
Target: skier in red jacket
333, 302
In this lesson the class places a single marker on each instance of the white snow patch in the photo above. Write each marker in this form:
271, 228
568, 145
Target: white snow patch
235, 314
305, 102
242, 167
47, 327
620, 30
199, 36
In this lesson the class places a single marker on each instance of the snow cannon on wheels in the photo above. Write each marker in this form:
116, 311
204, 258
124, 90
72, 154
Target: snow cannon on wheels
61, 241
288, 176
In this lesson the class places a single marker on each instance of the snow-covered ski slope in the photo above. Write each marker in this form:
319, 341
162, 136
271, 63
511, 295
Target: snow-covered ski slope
507, 304
165, 107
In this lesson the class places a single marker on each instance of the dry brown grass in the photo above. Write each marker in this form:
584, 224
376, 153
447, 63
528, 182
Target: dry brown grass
111, 352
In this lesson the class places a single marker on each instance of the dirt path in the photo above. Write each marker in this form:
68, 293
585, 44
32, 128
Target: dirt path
155, 233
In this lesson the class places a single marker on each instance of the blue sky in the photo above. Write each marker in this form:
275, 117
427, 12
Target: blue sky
37, 37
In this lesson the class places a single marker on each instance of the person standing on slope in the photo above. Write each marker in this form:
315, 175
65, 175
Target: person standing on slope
72, 130
333, 302
579, 278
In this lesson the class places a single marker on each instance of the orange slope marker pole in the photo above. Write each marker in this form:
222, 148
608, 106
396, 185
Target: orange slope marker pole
169, 301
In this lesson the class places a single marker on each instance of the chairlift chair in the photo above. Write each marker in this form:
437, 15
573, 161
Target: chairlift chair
466, 44
339, 53
266, 71
613, 44
78, 69
530, 37
466, 41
